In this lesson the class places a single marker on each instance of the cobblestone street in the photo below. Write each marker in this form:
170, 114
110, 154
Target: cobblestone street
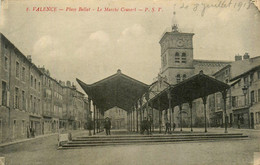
44, 151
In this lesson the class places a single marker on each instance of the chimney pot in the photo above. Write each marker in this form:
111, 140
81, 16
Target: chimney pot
238, 58
29, 57
246, 56
68, 83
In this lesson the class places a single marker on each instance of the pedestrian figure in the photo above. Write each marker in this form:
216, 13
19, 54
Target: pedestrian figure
145, 126
150, 124
30, 130
107, 125
238, 123
33, 132
167, 127
89, 126
173, 126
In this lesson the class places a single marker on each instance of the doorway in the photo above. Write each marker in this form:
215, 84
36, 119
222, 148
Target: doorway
231, 119
252, 121
1, 131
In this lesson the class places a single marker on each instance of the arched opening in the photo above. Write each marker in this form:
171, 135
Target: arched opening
183, 58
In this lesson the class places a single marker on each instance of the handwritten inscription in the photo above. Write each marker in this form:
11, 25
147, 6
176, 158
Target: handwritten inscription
221, 4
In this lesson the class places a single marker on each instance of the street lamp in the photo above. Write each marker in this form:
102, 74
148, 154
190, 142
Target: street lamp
245, 92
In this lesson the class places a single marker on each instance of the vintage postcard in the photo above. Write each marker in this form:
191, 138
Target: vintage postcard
128, 82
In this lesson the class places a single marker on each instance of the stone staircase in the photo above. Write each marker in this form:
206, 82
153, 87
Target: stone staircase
102, 140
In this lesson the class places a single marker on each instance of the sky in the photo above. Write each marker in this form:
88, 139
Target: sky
93, 45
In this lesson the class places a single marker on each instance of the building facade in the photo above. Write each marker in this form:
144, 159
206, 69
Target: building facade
33, 103
178, 64
243, 97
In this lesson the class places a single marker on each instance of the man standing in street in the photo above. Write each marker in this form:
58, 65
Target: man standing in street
107, 125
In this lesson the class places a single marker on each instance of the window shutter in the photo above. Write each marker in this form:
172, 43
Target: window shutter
7, 99
26, 104
1, 99
14, 101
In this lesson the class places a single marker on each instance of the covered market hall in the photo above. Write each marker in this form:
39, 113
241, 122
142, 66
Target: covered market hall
135, 97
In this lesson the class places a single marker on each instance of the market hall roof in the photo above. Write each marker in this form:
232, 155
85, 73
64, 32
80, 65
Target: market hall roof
117, 90
188, 90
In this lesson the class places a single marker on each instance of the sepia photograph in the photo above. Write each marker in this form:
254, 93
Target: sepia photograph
128, 82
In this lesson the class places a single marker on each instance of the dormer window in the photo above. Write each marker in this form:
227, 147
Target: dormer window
177, 57
183, 58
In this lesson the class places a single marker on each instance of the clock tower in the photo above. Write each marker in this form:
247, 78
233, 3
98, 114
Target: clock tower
176, 55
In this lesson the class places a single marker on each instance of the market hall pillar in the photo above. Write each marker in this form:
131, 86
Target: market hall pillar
152, 118
147, 108
160, 117
97, 120
224, 96
141, 117
170, 107
94, 119
128, 118
190, 105
136, 107
133, 118
205, 115
180, 107
89, 117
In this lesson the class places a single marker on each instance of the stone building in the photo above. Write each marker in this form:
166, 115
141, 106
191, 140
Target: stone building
47, 95
20, 98
52, 102
31, 100
243, 97
74, 105
178, 64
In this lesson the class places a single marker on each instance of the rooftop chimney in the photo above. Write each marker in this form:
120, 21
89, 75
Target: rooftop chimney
238, 58
29, 57
48, 72
68, 83
246, 56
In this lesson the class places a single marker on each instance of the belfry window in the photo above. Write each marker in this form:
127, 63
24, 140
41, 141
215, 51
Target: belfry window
177, 57
183, 58
178, 78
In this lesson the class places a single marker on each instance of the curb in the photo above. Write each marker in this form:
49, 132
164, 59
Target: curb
25, 140
37, 137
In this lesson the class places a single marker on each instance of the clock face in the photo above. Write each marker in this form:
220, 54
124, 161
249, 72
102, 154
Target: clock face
180, 42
